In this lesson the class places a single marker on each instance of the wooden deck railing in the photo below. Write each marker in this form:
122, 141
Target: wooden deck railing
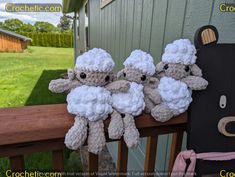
32, 129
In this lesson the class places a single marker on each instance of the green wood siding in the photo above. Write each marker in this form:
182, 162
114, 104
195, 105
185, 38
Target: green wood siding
124, 25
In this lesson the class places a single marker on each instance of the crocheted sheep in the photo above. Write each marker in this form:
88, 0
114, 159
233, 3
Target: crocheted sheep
138, 70
178, 75
90, 84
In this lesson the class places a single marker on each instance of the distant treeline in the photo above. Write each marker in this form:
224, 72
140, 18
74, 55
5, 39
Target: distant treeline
64, 40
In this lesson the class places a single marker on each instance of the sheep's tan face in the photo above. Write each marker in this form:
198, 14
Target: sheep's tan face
92, 78
135, 75
176, 71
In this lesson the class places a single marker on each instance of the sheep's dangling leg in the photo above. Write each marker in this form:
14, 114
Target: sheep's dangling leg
162, 113
77, 134
131, 133
116, 126
148, 105
96, 138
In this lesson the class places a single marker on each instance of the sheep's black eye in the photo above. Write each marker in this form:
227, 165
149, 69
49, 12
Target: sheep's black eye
124, 74
83, 75
187, 68
143, 78
123, 115
166, 66
107, 78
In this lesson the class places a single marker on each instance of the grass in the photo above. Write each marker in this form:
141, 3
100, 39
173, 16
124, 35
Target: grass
24, 81
20, 73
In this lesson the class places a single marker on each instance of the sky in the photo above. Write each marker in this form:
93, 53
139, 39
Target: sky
30, 17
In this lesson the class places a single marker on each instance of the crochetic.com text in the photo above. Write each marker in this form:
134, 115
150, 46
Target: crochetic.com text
18, 7
10, 173
224, 173
227, 7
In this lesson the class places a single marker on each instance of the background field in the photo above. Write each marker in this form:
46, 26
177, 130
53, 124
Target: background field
24, 79
22, 73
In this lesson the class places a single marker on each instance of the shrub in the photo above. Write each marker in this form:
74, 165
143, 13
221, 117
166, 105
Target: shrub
64, 40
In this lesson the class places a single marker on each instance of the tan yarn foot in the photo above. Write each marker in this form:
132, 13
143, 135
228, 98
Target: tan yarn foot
162, 113
96, 138
149, 105
116, 126
77, 134
131, 133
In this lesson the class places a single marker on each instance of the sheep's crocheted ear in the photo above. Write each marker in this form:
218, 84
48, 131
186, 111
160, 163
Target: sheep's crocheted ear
120, 73
206, 35
159, 67
71, 74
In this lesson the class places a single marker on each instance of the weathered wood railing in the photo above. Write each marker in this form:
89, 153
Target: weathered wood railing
32, 129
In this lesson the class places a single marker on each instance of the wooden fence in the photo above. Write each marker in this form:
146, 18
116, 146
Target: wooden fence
34, 129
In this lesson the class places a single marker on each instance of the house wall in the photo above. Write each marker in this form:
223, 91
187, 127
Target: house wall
10, 44
124, 25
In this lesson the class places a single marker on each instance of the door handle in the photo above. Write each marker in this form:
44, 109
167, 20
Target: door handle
222, 126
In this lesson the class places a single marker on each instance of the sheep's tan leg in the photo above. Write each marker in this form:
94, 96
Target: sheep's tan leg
131, 133
149, 105
152, 94
77, 134
116, 126
96, 138
162, 113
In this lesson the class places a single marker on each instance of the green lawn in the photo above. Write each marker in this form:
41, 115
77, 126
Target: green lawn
24, 81
20, 73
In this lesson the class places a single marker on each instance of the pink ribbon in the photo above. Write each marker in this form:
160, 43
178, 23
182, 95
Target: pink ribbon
180, 162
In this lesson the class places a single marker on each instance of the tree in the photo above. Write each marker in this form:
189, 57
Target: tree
1, 24
40, 39
45, 27
13, 25
35, 39
65, 24
28, 28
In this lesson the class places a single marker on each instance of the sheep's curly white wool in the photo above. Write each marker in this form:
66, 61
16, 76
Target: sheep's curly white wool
180, 51
131, 102
175, 94
142, 61
95, 60
93, 103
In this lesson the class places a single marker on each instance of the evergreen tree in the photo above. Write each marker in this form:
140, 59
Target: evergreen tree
65, 24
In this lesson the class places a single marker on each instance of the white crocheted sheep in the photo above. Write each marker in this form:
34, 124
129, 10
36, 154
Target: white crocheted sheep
138, 70
89, 98
178, 75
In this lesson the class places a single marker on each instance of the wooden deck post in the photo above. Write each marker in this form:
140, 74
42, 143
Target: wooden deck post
58, 162
176, 145
122, 159
150, 156
17, 163
93, 164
